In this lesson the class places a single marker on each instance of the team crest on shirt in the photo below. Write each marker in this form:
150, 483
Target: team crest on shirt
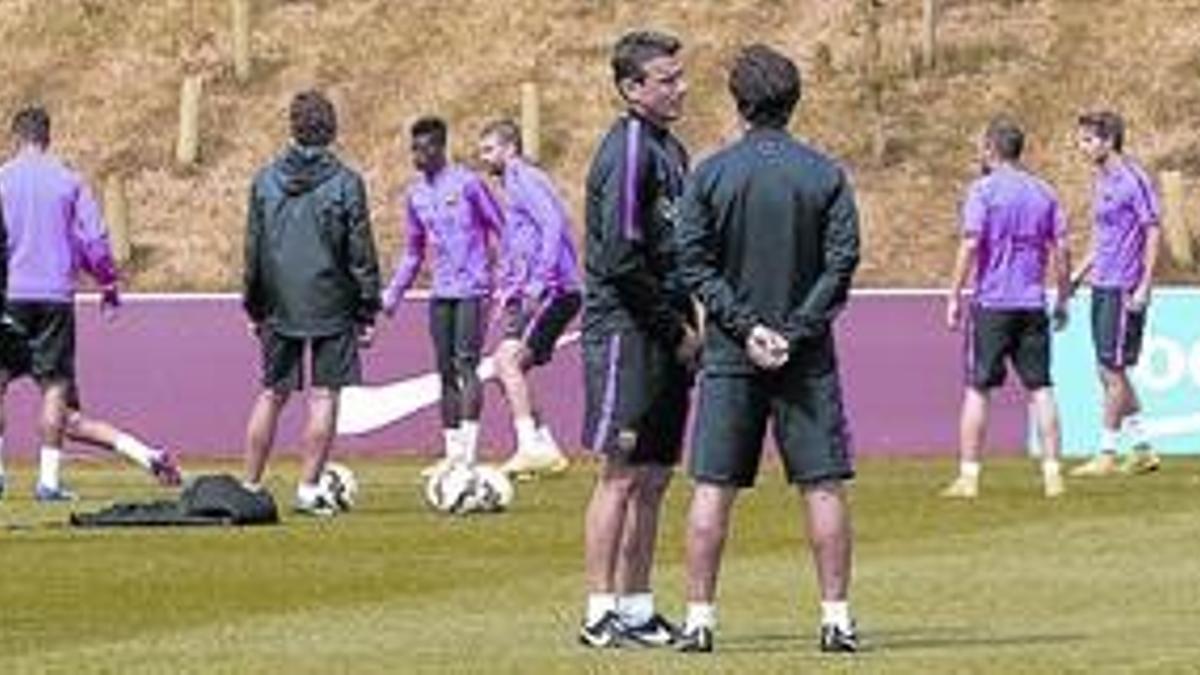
627, 440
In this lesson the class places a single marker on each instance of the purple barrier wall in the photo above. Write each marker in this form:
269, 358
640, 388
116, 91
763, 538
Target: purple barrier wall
182, 371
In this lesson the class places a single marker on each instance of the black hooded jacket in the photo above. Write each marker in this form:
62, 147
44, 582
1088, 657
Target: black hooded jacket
311, 268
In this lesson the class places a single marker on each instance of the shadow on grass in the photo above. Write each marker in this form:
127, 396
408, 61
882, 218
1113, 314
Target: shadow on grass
892, 640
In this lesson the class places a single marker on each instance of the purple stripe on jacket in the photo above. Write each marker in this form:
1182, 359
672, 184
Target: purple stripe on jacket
55, 229
631, 180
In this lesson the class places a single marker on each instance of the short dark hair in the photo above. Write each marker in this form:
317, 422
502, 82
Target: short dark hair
766, 86
314, 120
637, 48
32, 125
1006, 138
1107, 125
430, 126
506, 130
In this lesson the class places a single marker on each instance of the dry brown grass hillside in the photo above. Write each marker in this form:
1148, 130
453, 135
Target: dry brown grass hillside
109, 70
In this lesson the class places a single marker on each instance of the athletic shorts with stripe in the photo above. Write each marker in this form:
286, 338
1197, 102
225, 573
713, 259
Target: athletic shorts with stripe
1116, 329
997, 337
807, 419
637, 399
539, 324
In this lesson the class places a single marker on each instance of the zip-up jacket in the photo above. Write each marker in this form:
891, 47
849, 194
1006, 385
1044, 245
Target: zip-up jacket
311, 268
632, 277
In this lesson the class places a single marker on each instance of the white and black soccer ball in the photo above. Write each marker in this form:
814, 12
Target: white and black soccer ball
338, 485
452, 489
460, 490
495, 490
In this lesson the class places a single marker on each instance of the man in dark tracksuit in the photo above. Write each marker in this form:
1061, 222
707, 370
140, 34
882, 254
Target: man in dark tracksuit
311, 283
769, 242
638, 341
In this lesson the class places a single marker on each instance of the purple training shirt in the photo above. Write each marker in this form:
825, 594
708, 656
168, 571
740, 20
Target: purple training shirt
539, 255
54, 228
455, 211
1124, 206
1017, 220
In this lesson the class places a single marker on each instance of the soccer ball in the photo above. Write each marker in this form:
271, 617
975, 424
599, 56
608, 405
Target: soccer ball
339, 485
460, 489
495, 489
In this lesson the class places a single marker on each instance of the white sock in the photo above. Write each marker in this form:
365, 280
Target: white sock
599, 604
1108, 440
1136, 431
1050, 468
969, 469
451, 436
49, 463
469, 440
307, 493
835, 613
636, 608
526, 434
135, 450
700, 615
546, 442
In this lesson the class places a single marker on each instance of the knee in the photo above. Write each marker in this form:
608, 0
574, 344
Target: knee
276, 398
508, 361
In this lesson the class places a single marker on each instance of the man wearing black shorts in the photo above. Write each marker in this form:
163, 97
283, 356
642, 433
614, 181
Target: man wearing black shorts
769, 242
54, 229
539, 294
639, 341
311, 285
1013, 229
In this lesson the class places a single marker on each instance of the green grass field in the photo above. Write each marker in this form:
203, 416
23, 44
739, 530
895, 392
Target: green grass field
1106, 579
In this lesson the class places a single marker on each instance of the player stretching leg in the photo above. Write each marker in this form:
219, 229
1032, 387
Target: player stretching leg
540, 294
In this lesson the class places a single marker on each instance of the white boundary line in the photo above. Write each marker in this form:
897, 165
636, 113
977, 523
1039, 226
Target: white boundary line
425, 294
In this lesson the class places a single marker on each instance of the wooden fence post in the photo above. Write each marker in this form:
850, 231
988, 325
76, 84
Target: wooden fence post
1175, 222
187, 149
531, 121
116, 216
241, 39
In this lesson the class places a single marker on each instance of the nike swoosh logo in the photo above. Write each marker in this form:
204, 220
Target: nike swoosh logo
364, 409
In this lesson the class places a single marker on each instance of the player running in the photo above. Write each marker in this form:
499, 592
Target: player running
54, 229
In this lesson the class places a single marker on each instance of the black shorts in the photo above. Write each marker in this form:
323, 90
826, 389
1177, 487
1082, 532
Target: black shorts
539, 325
39, 341
636, 400
807, 419
996, 337
1116, 330
334, 360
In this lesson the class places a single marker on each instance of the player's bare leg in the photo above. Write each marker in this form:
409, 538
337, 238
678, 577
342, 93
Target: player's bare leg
160, 463
707, 529
1050, 439
533, 454
317, 443
260, 433
52, 423
972, 434
831, 538
604, 526
1116, 403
